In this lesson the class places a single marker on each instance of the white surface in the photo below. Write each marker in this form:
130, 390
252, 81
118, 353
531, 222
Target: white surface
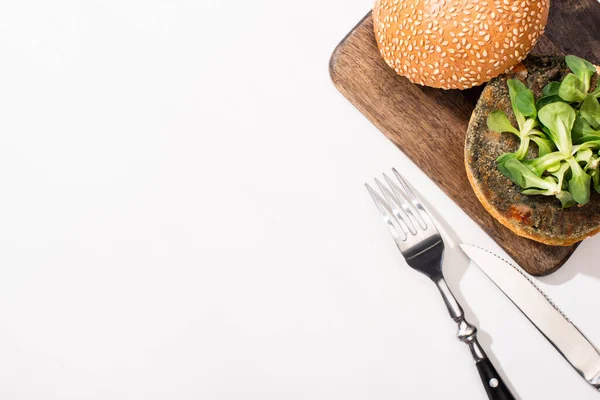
182, 216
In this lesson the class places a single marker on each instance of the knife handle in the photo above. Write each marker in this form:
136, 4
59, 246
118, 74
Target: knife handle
494, 386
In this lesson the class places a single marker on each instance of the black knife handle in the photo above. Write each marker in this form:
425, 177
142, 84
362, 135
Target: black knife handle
494, 386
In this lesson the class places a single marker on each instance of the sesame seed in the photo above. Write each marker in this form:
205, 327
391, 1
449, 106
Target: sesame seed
427, 39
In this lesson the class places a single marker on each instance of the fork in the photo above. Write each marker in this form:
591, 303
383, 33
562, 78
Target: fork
422, 246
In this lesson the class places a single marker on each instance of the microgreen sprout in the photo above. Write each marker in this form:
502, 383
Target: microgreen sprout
524, 109
564, 124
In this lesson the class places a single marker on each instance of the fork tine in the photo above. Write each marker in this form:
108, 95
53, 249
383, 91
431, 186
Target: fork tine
407, 203
396, 204
397, 231
423, 215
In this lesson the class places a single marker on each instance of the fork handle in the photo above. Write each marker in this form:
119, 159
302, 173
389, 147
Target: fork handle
494, 386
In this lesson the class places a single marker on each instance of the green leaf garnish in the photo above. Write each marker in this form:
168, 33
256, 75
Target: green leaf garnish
497, 121
566, 199
544, 101
579, 184
572, 89
590, 111
584, 156
524, 108
550, 95
545, 145
522, 101
551, 89
583, 69
559, 119
564, 123
596, 179
583, 132
541, 164
520, 174
581, 128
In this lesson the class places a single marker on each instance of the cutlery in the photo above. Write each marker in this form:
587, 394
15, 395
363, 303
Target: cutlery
541, 311
422, 246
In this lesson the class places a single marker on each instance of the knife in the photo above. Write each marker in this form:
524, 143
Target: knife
541, 311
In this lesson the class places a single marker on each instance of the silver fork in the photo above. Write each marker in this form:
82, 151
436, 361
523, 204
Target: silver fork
422, 246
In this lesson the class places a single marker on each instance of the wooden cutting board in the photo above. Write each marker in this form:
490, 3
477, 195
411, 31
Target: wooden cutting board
429, 125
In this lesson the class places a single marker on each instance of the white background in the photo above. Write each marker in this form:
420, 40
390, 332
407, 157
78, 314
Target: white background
183, 216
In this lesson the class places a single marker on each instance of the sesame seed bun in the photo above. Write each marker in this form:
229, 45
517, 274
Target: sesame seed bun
457, 44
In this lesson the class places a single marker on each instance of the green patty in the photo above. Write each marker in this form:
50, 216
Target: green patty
539, 217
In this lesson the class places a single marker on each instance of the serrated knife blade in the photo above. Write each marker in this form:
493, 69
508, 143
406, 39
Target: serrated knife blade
541, 311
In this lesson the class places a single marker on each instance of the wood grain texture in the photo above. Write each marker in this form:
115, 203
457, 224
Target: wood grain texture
429, 125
